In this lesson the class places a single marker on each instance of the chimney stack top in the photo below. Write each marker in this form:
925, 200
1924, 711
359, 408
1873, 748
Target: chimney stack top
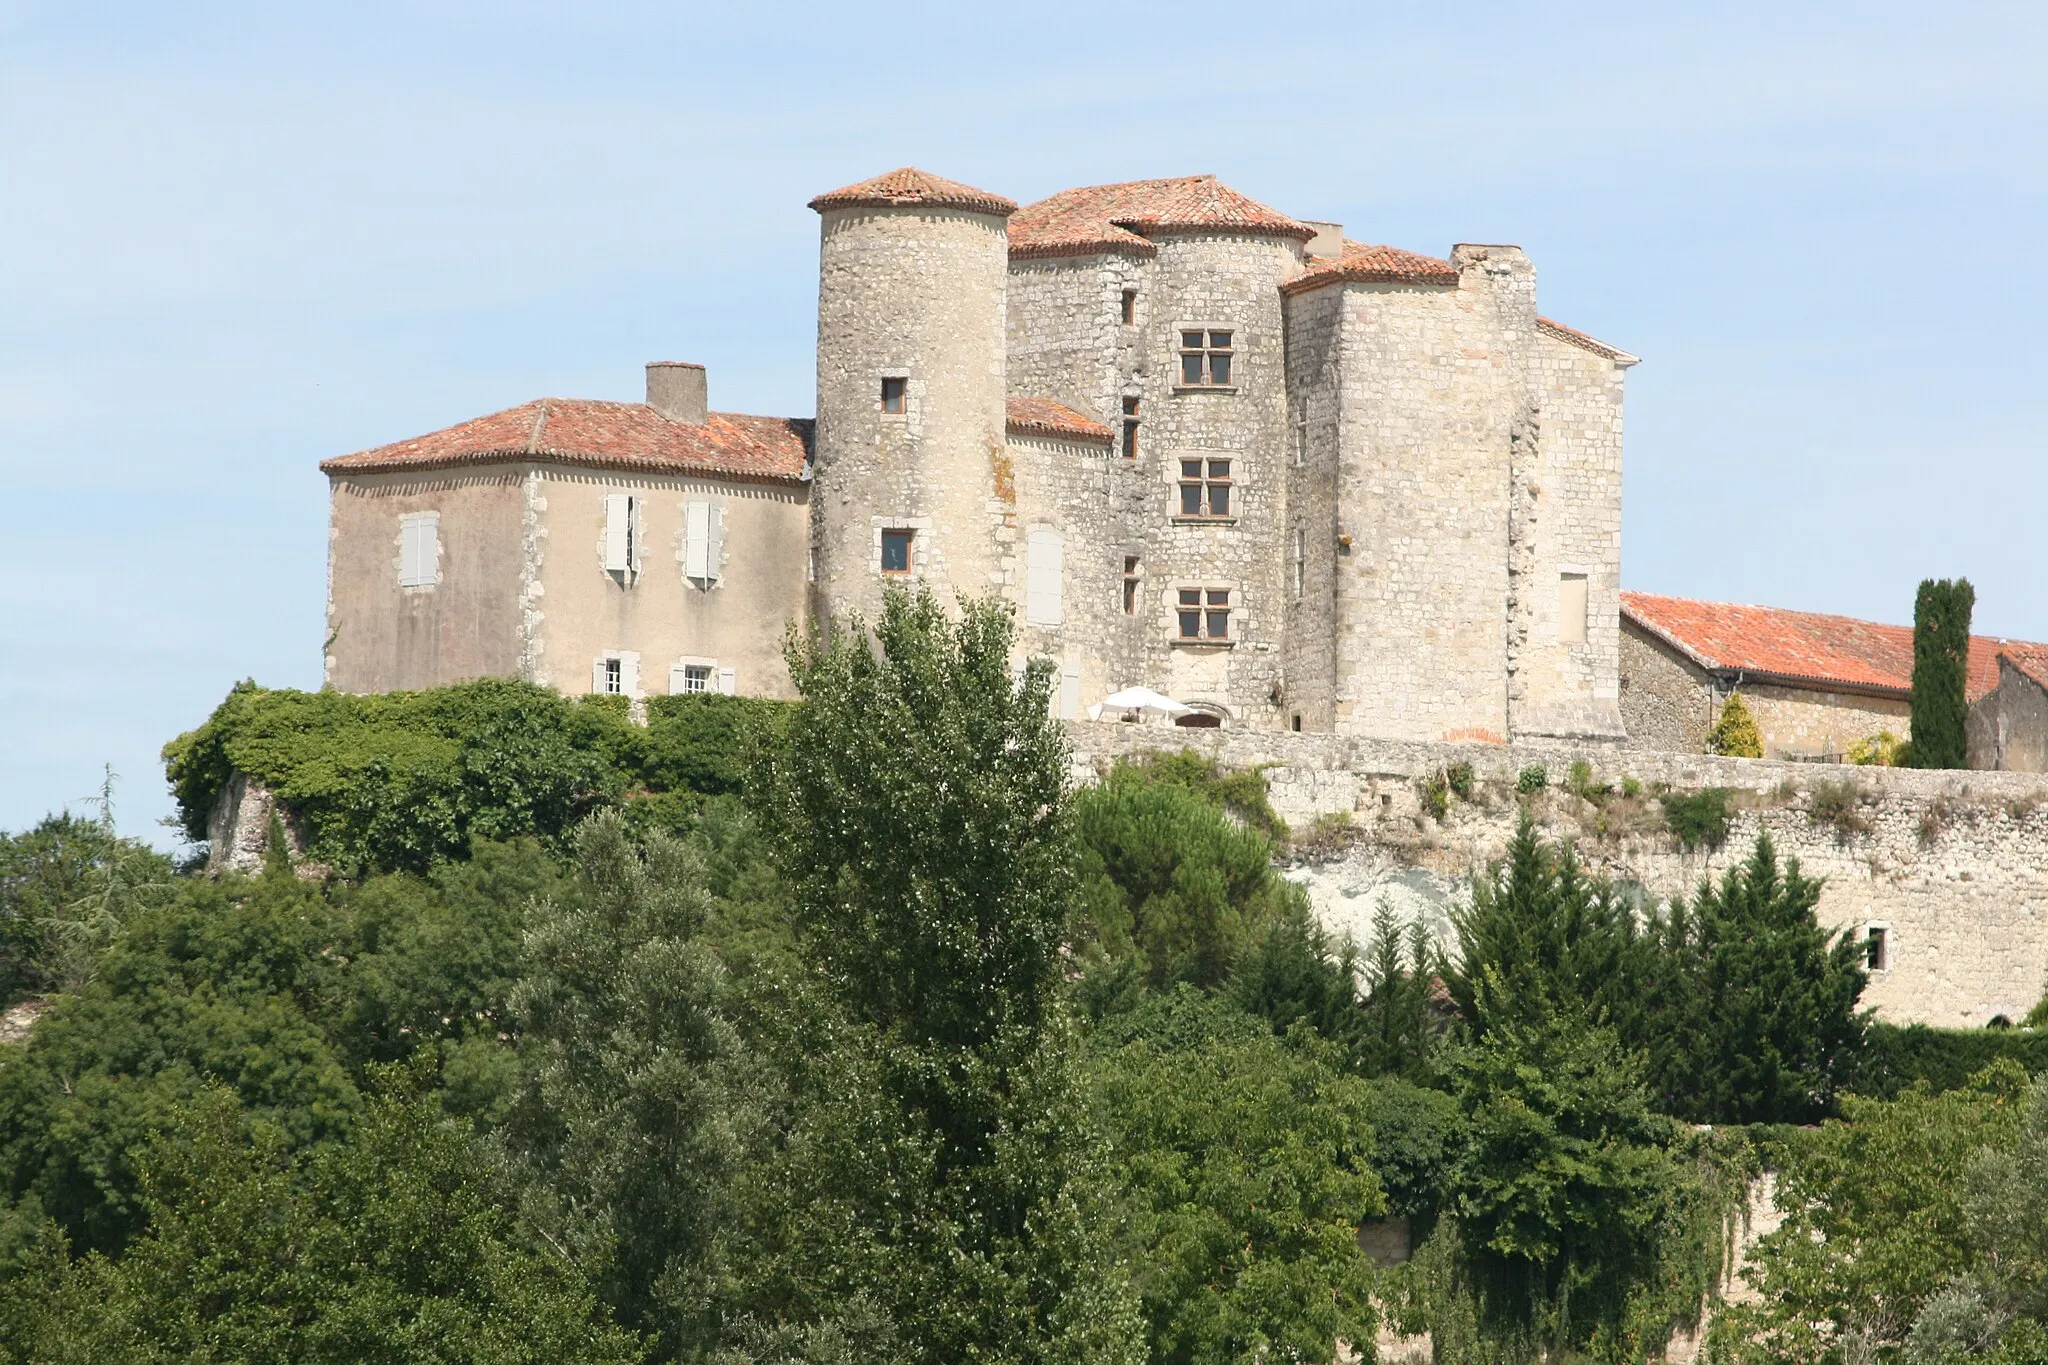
676, 389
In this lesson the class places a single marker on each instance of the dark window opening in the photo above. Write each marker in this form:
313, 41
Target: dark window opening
1130, 428
1205, 359
1132, 577
1205, 488
1130, 307
896, 551
1199, 720
1877, 949
892, 394
1204, 614
1297, 725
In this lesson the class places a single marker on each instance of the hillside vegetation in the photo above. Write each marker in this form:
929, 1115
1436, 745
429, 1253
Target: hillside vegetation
840, 1031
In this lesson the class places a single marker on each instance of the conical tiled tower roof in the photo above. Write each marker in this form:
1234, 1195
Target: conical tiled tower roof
1121, 217
908, 187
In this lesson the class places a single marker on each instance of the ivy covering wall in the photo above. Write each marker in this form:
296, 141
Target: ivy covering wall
402, 780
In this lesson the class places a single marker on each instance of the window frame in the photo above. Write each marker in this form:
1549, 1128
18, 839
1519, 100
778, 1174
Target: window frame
1574, 628
1204, 602
1132, 421
1206, 354
1127, 307
1206, 481
908, 535
1134, 582
426, 571
894, 388
1300, 562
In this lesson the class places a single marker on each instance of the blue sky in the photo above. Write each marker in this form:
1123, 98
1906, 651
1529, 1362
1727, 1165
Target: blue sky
237, 239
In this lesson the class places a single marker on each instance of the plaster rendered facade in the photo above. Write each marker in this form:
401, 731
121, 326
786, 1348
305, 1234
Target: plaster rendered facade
1294, 481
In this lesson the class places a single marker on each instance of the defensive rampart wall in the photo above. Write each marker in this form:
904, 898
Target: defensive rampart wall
1952, 866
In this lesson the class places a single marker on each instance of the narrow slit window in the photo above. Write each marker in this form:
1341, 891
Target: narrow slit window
1205, 488
1133, 576
1877, 948
1128, 307
1206, 358
896, 551
1130, 428
1300, 561
892, 393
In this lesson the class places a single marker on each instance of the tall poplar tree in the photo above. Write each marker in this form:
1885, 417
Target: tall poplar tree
1941, 670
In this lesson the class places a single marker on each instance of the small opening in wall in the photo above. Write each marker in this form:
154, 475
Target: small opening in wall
1297, 725
1130, 428
1877, 954
1129, 307
1133, 575
896, 551
614, 677
892, 394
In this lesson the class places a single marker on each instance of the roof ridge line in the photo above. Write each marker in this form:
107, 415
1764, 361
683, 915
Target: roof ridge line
540, 421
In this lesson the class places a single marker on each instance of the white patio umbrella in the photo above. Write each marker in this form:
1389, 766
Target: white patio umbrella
1142, 700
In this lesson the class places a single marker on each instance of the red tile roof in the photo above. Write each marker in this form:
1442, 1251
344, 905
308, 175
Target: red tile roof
1363, 264
609, 435
908, 186
1801, 648
1044, 417
1120, 218
2031, 660
1572, 336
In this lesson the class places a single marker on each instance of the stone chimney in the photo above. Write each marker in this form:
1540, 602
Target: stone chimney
675, 389
1328, 241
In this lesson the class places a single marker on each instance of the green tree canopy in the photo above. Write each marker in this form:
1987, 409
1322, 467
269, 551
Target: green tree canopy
1941, 672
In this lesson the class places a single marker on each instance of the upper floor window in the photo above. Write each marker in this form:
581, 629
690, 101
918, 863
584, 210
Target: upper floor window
622, 535
1205, 358
1205, 488
1133, 576
703, 541
1130, 428
1300, 561
1128, 306
896, 551
419, 549
893, 387
1204, 614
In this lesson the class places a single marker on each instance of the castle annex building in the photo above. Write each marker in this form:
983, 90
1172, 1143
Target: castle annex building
1294, 481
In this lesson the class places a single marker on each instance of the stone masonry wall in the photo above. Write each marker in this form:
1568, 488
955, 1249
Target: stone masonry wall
1422, 491
1573, 494
1952, 865
1315, 395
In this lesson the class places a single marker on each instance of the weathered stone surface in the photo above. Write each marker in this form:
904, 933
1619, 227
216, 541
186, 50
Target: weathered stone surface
1952, 865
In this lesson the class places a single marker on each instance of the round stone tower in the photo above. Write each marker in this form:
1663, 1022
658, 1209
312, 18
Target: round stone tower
910, 479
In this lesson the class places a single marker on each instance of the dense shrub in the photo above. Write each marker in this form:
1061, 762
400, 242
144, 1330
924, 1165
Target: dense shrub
1735, 734
402, 780
1699, 819
1895, 1058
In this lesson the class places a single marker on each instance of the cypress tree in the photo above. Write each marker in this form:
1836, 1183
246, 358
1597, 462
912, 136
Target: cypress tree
1941, 665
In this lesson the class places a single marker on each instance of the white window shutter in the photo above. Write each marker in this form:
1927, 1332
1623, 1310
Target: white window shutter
629, 674
408, 552
697, 540
728, 682
597, 678
1070, 694
1042, 573
617, 518
678, 680
714, 551
418, 549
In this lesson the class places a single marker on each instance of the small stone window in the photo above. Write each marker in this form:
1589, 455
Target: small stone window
1130, 428
1205, 359
1877, 947
892, 393
1204, 614
1205, 488
896, 551
614, 677
1128, 307
1133, 576
1300, 563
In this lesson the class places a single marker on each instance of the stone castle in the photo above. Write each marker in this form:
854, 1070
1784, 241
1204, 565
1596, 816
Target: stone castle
1295, 482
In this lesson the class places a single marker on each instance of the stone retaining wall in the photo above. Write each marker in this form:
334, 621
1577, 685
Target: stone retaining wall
1952, 865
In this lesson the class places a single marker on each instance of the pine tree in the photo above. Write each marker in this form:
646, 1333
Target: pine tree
1941, 669
1735, 734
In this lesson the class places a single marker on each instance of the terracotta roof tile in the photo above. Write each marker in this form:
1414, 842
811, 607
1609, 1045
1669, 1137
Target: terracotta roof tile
1363, 264
1572, 336
2031, 660
1121, 218
1800, 647
609, 435
909, 187
1044, 417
